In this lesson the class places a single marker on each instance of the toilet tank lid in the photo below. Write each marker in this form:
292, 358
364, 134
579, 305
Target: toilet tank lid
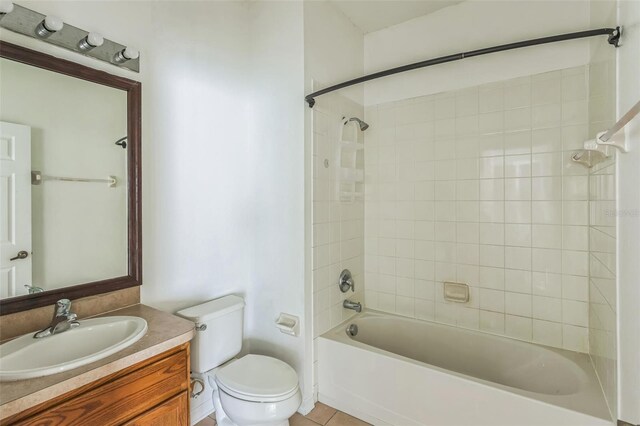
212, 309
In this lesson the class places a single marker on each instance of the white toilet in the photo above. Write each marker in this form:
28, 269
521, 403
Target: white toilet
253, 390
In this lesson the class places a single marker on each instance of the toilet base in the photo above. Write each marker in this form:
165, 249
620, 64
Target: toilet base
248, 413
227, 422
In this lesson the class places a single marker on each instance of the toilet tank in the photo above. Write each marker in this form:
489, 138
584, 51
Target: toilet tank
221, 340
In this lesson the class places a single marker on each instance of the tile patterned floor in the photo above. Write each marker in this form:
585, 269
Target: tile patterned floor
322, 415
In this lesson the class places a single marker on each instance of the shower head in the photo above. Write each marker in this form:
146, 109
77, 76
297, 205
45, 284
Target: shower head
363, 126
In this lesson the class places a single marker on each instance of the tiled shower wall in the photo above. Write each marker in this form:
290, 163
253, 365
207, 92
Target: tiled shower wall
477, 186
338, 227
602, 233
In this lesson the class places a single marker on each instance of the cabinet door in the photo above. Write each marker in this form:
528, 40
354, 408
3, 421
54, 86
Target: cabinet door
114, 402
171, 413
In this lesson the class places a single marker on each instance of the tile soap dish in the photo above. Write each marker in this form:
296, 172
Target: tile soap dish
456, 292
593, 153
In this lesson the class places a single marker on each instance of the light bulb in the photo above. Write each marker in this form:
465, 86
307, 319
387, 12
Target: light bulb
126, 54
48, 26
6, 7
53, 23
91, 41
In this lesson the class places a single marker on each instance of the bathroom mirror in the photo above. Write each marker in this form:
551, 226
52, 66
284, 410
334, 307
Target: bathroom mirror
69, 180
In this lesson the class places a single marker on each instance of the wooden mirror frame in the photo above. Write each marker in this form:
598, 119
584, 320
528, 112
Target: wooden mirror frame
134, 179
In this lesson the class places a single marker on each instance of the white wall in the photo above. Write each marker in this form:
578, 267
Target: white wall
223, 139
195, 199
628, 66
276, 176
333, 49
74, 125
473, 25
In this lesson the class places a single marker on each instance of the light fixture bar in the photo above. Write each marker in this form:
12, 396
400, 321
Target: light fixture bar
32, 24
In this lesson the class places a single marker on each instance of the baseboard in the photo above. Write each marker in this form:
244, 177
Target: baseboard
201, 411
306, 406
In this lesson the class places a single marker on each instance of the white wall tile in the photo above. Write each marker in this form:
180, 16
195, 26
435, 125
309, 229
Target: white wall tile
491, 189
547, 164
491, 167
546, 236
517, 211
518, 235
546, 284
575, 288
492, 277
518, 281
575, 338
518, 141
518, 304
477, 186
518, 258
492, 233
517, 189
546, 188
491, 211
517, 165
491, 300
491, 145
492, 322
547, 333
575, 313
547, 308
518, 327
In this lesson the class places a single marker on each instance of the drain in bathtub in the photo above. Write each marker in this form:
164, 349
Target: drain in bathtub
352, 330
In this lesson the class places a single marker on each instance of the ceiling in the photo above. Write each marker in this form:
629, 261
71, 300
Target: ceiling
373, 15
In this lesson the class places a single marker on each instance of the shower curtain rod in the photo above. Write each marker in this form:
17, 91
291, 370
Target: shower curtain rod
613, 39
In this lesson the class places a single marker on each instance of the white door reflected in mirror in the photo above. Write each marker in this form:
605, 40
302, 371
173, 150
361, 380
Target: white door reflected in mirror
15, 209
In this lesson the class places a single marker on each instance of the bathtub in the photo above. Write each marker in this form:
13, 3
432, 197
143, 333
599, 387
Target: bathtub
404, 372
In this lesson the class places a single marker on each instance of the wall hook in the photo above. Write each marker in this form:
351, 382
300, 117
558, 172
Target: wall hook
122, 142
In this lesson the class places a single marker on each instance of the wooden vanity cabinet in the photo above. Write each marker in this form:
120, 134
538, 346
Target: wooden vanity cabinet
154, 392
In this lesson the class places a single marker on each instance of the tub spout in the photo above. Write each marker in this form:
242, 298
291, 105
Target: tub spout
356, 306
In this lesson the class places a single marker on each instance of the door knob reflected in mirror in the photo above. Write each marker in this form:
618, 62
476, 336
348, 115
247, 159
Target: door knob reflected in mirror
21, 255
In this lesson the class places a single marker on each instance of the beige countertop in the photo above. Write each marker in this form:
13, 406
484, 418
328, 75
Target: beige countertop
165, 331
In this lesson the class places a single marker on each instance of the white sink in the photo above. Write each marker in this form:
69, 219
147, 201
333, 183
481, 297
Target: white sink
26, 357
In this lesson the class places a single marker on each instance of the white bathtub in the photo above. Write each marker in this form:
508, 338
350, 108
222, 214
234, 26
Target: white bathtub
404, 372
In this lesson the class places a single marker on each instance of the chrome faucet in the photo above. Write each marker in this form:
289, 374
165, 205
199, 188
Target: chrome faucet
356, 306
63, 320
33, 289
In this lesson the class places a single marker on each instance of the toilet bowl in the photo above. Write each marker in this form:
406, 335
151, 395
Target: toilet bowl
255, 390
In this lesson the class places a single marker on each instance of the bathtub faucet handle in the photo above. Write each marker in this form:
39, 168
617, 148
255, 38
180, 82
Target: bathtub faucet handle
346, 281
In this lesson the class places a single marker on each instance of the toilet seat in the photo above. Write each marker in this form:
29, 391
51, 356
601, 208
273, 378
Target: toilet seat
258, 378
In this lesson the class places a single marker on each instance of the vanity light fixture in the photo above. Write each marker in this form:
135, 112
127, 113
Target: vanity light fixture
48, 26
21, 20
5, 7
126, 54
91, 41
